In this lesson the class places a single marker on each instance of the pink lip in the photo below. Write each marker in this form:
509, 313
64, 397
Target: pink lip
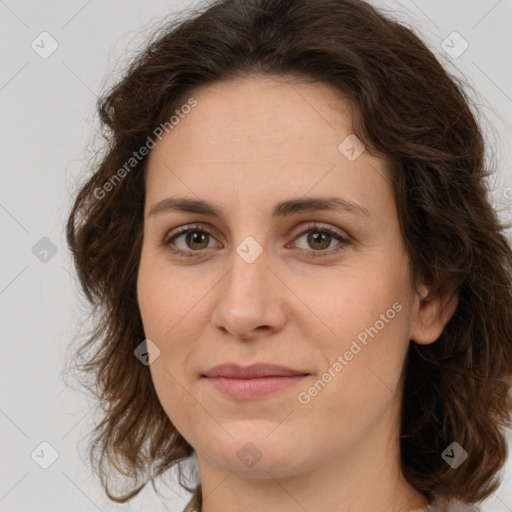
247, 389
254, 381
234, 370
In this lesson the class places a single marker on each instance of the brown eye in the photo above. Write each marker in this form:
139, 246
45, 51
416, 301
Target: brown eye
196, 240
188, 240
319, 239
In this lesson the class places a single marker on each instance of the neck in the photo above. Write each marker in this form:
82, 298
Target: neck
365, 476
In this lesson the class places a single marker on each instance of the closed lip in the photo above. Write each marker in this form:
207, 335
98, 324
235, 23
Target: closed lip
235, 371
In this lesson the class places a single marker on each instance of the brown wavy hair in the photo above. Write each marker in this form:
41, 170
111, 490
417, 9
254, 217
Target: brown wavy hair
411, 111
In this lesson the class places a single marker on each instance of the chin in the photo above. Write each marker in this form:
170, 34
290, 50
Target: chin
258, 457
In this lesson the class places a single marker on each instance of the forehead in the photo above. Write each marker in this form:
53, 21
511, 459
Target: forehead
264, 108
262, 134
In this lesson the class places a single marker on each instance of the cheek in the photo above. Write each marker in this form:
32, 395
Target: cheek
160, 310
150, 294
348, 300
364, 318
360, 379
167, 313
161, 303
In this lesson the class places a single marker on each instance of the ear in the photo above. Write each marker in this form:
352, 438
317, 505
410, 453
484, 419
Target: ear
431, 315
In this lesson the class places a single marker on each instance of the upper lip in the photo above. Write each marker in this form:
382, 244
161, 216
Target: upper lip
233, 370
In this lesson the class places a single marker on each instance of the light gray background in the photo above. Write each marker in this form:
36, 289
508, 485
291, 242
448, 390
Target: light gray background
48, 120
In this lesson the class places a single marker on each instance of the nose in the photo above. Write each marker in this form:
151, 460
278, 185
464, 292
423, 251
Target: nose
251, 300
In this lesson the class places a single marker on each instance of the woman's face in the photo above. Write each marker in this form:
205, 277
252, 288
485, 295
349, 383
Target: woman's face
273, 277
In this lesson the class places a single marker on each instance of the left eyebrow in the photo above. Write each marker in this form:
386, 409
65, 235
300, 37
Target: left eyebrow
313, 204
282, 209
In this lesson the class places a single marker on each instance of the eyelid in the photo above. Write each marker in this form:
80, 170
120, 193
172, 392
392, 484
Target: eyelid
310, 226
186, 228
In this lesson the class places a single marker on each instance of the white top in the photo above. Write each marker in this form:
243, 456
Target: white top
442, 505
437, 505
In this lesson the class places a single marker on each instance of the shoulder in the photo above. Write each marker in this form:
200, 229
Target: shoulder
443, 505
194, 505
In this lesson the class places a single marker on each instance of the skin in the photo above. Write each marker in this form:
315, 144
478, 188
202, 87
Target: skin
247, 145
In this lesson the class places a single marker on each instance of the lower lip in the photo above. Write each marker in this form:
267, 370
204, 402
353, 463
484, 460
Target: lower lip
249, 389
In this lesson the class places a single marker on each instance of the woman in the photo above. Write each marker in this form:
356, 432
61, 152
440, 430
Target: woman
297, 273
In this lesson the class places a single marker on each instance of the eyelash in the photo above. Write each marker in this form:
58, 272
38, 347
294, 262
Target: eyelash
310, 227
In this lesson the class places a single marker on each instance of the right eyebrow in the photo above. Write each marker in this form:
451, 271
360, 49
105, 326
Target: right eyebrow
185, 204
